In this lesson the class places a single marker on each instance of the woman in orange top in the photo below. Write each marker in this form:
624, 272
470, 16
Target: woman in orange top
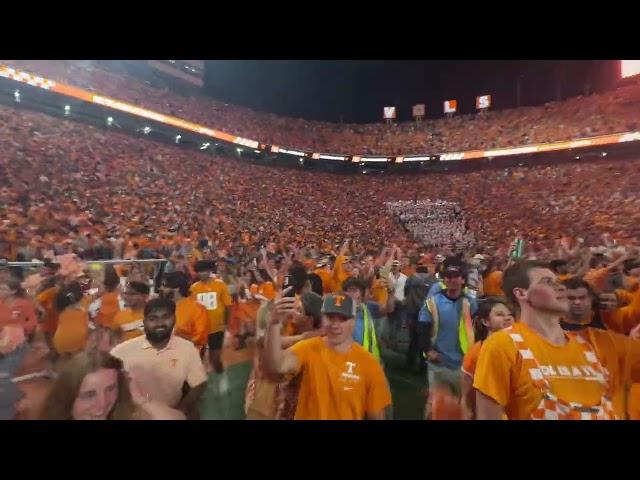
73, 321
493, 315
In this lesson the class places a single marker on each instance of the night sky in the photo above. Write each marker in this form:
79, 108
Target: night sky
357, 90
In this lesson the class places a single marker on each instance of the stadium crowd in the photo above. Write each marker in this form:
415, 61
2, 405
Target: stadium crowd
433, 223
320, 272
598, 114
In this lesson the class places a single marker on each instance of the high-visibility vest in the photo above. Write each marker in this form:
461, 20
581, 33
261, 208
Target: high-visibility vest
465, 291
466, 336
369, 339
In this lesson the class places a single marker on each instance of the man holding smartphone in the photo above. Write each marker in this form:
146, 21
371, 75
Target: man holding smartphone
340, 380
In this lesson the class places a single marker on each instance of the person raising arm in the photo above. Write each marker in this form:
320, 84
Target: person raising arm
340, 380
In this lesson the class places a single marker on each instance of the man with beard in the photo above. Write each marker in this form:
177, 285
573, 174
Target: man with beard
165, 367
536, 370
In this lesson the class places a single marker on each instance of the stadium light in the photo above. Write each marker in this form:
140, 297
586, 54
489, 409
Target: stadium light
604, 154
109, 121
67, 110
16, 96
146, 130
178, 137
205, 146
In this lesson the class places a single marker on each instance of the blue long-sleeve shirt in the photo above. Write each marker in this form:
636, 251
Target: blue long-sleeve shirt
447, 342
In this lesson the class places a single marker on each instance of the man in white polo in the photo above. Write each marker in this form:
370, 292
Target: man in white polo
165, 367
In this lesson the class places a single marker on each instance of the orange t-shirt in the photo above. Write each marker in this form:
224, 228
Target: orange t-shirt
192, 322
327, 279
46, 298
379, 293
470, 359
109, 308
492, 284
129, 322
339, 273
597, 278
22, 313
633, 402
338, 386
73, 330
267, 290
214, 296
499, 373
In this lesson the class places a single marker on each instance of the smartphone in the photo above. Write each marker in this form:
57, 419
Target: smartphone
287, 285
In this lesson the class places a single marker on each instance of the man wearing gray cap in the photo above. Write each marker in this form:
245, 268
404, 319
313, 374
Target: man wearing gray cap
340, 379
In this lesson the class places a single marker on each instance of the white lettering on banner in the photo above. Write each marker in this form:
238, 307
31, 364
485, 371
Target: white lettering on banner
629, 137
245, 142
332, 157
564, 371
292, 152
575, 371
580, 143
107, 102
450, 106
483, 101
510, 151
208, 300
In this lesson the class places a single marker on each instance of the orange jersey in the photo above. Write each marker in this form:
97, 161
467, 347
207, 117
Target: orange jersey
192, 322
499, 373
214, 296
338, 386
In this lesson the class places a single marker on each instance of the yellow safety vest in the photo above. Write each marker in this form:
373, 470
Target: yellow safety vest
369, 340
465, 326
